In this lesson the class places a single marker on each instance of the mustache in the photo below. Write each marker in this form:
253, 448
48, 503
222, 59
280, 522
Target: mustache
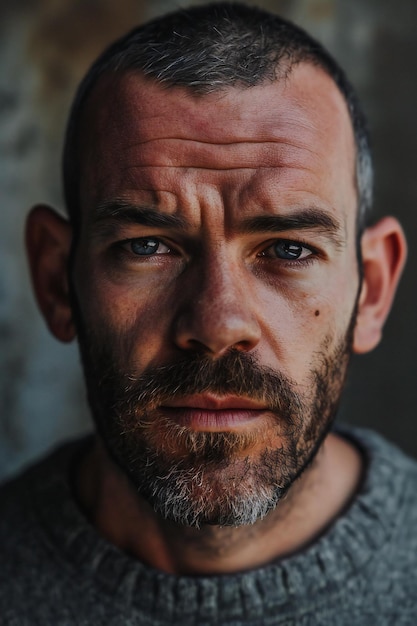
235, 373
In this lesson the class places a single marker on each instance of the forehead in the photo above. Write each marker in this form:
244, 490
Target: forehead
296, 131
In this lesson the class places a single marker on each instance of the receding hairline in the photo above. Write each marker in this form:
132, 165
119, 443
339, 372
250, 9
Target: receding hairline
122, 81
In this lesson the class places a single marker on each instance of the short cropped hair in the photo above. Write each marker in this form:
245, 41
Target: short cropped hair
209, 49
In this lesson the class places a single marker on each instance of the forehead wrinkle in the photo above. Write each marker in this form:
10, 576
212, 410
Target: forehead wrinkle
181, 113
236, 142
217, 155
283, 169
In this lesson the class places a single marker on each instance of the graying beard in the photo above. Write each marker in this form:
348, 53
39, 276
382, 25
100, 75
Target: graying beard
206, 482
183, 496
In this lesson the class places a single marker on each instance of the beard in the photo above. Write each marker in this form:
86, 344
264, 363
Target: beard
224, 478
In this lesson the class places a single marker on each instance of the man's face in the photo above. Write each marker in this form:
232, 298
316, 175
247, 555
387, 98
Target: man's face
215, 282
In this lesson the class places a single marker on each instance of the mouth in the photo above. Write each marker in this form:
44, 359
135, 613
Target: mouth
213, 413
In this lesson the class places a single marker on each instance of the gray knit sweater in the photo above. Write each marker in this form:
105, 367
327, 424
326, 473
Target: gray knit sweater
55, 570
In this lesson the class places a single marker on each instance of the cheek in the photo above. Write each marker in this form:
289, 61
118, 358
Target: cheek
299, 320
330, 295
327, 314
133, 318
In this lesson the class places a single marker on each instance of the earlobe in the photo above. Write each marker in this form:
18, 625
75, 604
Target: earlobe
48, 243
384, 251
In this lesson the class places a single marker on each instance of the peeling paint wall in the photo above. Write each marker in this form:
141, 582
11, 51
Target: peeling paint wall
45, 48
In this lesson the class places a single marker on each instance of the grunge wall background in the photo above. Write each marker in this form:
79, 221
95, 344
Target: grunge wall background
45, 48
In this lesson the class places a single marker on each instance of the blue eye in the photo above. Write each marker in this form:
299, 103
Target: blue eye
288, 250
147, 246
144, 246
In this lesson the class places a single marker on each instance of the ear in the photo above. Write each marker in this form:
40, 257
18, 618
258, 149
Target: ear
384, 251
48, 244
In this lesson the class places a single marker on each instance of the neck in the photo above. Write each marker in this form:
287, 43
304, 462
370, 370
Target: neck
128, 521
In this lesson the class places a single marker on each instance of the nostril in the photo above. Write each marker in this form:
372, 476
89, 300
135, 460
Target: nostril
216, 332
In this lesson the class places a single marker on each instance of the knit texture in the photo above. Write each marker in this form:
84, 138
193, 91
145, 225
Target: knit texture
55, 570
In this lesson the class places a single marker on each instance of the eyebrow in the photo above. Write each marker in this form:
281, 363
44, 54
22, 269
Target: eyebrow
305, 219
128, 213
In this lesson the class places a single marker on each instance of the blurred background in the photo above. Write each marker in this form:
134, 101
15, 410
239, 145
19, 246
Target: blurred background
45, 48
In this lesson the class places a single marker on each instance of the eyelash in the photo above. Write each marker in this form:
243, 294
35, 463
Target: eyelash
296, 262
121, 248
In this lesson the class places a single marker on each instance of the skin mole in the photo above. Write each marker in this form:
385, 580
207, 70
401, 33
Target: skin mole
317, 313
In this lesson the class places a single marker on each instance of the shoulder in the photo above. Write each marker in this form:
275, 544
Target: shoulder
389, 493
30, 564
390, 475
376, 446
23, 496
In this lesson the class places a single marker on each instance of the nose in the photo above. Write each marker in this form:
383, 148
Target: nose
216, 312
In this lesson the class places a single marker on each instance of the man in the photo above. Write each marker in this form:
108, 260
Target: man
218, 269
